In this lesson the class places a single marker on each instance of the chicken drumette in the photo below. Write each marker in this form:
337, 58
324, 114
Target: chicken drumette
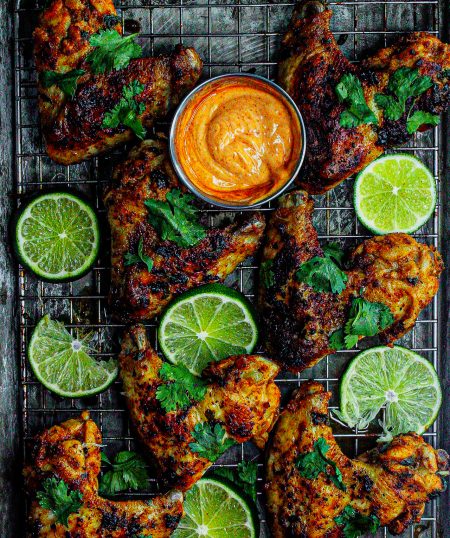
387, 486
70, 452
394, 270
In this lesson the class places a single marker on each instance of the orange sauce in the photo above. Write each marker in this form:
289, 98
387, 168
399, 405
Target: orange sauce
238, 140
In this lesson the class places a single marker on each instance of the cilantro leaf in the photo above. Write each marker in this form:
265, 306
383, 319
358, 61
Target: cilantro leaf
244, 476
337, 340
66, 82
210, 443
420, 118
131, 259
57, 498
322, 273
313, 463
176, 219
127, 472
266, 274
181, 388
350, 92
127, 110
112, 51
355, 524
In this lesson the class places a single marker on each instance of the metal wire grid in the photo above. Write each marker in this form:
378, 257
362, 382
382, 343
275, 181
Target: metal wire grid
241, 36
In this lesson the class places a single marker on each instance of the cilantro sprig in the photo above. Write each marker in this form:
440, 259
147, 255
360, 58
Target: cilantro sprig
112, 51
324, 274
266, 275
180, 389
210, 443
349, 91
140, 257
127, 471
244, 476
313, 463
57, 498
355, 524
127, 111
364, 319
66, 82
176, 219
406, 84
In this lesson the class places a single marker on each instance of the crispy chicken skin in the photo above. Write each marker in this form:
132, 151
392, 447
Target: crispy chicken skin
137, 294
313, 65
392, 482
71, 452
73, 126
241, 396
393, 269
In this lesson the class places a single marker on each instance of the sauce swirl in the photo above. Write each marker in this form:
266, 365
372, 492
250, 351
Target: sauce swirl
238, 140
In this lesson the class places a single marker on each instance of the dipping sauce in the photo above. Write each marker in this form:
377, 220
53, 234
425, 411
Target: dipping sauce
238, 140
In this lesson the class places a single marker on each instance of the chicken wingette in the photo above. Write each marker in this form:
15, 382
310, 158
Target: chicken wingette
138, 293
313, 65
393, 270
241, 401
73, 124
387, 486
68, 455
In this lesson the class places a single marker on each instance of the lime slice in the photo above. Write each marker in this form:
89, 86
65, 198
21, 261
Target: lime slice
62, 363
395, 193
207, 324
57, 236
396, 377
215, 509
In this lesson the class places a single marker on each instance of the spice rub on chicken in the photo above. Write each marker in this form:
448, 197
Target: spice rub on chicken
95, 89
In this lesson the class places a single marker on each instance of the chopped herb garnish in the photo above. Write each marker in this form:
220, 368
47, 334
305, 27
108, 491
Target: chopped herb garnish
244, 476
419, 118
127, 110
131, 259
266, 274
364, 319
350, 92
57, 498
210, 443
126, 472
313, 463
112, 51
66, 82
176, 219
181, 388
324, 273
355, 524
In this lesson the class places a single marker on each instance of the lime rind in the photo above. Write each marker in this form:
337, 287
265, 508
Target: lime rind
216, 509
63, 364
57, 236
414, 201
398, 378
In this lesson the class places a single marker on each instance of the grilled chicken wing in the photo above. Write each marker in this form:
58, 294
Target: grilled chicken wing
312, 67
393, 269
241, 396
137, 293
73, 126
392, 482
71, 452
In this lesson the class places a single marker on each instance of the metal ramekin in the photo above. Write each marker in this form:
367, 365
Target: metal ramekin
179, 170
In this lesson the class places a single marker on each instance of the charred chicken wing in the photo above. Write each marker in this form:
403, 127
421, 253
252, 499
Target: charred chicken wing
73, 124
70, 453
387, 486
136, 292
240, 404
393, 270
313, 66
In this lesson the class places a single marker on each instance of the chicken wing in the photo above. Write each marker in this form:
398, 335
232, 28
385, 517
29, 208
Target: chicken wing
391, 483
71, 452
311, 68
393, 269
241, 397
73, 126
137, 293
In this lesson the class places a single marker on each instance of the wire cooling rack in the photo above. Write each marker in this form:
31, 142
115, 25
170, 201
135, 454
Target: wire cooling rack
230, 36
